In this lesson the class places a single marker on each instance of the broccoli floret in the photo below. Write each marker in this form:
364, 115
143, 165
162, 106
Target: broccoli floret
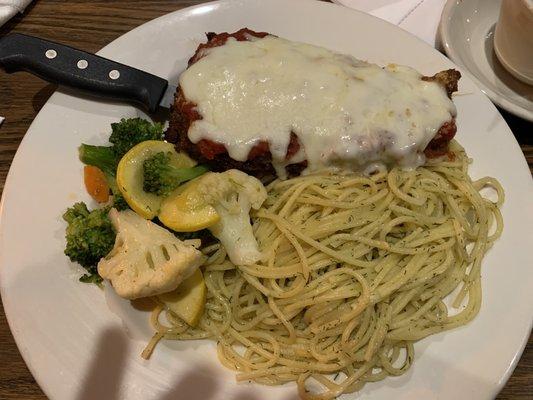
91, 277
161, 177
125, 134
129, 132
89, 234
119, 202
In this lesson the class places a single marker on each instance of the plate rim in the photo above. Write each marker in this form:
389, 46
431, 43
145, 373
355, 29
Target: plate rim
502, 101
25, 353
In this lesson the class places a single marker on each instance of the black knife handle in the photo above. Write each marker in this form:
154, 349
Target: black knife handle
77, 69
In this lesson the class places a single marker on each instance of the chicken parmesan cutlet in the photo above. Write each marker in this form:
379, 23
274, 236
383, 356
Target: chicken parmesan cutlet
269, 106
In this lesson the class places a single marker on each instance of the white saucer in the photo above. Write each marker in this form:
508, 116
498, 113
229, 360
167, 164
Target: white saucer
466, 29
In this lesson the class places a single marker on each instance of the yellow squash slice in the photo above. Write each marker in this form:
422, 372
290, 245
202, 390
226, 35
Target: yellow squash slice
188, 300
185, 210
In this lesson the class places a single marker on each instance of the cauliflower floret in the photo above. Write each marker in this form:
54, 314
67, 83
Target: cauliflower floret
233, 194
147, 259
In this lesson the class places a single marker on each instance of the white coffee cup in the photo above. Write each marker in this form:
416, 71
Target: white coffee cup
513, 39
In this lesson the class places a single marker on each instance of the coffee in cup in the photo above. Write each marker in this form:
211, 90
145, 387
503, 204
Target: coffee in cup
513, 39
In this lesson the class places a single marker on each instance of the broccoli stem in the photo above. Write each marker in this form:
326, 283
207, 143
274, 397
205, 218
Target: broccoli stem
102, 157
180, 175
118, 199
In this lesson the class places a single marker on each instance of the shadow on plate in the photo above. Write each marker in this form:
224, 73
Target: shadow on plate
104, 378
105, 375
41, 97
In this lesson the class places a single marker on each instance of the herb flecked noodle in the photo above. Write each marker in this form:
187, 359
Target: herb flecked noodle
356, 269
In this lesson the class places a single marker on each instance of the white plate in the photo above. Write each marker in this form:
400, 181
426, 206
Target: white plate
467, 33
77, 348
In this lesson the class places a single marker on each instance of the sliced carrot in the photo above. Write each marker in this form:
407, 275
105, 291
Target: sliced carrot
96, 183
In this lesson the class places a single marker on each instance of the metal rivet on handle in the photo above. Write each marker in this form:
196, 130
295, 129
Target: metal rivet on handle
114, 74
82, 64
50, 54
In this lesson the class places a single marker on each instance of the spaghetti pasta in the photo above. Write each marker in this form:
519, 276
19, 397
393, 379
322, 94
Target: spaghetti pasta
355, 270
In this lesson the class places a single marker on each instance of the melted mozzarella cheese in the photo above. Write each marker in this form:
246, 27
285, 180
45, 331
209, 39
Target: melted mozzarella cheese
345, 112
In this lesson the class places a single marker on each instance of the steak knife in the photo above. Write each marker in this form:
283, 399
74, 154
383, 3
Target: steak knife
86, 72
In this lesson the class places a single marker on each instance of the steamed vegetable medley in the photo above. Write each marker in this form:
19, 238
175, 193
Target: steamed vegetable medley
154, 206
